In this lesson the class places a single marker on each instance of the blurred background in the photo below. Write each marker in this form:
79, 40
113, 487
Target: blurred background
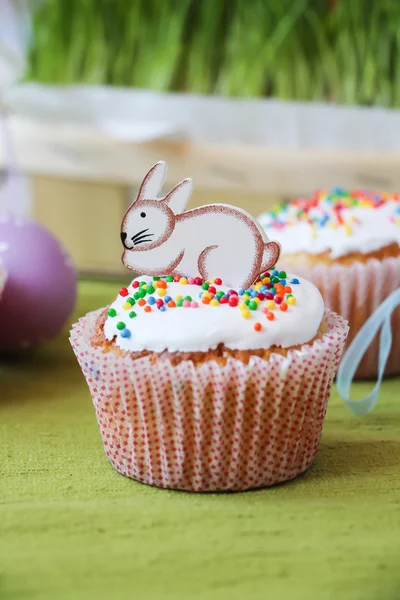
334, 50
257, 101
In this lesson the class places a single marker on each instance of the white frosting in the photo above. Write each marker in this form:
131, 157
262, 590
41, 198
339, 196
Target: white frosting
200, 329
364, 229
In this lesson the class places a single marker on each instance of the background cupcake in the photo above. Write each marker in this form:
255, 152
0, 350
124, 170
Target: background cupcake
200, 387
347, 244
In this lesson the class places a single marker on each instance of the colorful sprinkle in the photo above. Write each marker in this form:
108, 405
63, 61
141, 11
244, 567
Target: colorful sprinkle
270, 316
151, 300
120, 325
347, 229
147, 308
291, 300
125, 333
141, 302
257, 326
132, 314
112, 312
123, 292
233, 300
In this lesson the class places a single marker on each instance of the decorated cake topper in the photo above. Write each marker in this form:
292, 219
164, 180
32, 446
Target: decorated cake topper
216, 240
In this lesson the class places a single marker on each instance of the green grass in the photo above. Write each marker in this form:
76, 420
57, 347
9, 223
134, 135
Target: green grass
338, 51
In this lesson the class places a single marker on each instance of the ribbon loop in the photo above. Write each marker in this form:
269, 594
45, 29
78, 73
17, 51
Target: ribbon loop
355, 352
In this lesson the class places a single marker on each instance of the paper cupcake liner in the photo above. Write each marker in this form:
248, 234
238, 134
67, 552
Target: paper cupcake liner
211, 428
354, 292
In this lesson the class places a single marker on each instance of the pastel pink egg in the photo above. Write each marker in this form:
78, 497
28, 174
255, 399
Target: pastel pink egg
40, 292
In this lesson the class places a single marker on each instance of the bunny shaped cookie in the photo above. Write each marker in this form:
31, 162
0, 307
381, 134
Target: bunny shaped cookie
216, 240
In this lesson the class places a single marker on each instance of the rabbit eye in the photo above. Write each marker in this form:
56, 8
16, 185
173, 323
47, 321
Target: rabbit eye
142, 214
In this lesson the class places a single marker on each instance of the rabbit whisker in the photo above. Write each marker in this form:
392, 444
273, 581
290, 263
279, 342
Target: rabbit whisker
141, 241
138, 234
142, 237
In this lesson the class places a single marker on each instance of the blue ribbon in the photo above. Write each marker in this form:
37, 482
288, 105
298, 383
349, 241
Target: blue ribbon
352, 358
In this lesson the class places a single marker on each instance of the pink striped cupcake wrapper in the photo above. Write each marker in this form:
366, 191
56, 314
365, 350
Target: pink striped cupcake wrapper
354, 292
211, 428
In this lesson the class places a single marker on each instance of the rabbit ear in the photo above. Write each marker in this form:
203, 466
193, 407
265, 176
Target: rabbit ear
153, 182
179, 196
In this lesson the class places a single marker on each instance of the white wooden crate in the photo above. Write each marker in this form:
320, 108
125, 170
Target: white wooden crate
82, 181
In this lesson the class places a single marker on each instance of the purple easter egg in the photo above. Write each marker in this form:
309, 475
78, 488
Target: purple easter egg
40, 291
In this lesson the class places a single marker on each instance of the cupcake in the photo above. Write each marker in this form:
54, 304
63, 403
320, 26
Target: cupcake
200, 387
348, 245
207, 383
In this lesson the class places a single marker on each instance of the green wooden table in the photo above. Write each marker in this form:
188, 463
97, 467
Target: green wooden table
73, 528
